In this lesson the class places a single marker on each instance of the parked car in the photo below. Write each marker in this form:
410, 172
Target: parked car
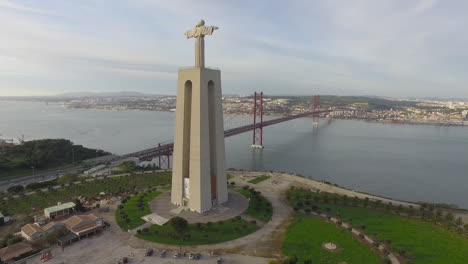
194, 256
191, 256
122, 261
177, 255
163, 254
219, 260
149, 252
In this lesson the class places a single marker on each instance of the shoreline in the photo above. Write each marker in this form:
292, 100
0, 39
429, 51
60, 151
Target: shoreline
335, 185
292, 178
460, 123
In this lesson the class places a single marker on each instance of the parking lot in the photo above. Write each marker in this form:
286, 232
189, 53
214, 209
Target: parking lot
112, 245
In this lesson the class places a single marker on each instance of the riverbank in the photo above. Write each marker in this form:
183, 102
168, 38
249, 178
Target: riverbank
301, 181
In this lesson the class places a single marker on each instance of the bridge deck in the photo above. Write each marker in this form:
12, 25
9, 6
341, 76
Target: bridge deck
166, 149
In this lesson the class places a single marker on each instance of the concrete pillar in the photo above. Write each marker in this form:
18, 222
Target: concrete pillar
199, 153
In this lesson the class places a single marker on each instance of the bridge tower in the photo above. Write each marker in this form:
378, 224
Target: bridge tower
164, 159
257, 136
316, 107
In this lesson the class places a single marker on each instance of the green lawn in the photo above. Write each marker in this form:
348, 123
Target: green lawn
167, 187
259, 207
423, 242
36, 203
133, 212
419, 241
305, 236
259, 179
201, 235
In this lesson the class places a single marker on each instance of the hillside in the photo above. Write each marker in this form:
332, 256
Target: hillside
42, 154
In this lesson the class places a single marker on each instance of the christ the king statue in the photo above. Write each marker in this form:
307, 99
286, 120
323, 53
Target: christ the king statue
199, 32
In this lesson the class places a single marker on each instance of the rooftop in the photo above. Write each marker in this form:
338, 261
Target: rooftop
75, 220
13, 251
59, 207
31, 229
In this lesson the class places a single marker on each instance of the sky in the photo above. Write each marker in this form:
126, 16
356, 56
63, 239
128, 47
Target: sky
397, 48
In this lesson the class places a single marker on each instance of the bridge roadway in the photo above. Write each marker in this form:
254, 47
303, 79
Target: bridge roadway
166, 149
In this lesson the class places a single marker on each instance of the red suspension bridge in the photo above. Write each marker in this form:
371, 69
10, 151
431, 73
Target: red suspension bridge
163, 152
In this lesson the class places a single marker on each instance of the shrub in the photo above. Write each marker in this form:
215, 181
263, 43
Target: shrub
15, 189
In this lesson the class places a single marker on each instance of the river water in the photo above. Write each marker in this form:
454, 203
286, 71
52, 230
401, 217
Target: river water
408, 162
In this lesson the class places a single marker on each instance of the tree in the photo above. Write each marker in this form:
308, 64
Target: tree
56, 234
15, 189
292, 260
67, 179
180, 226
459, 221
449, 216
79, 206
127, 166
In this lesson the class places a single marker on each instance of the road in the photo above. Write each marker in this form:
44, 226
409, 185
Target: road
39, 177
50, 175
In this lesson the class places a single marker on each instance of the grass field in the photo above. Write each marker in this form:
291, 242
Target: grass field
35, 203
259, 207
201, 234
305, 236
135, 212
167, 187
418, 241
259, 179
421, 242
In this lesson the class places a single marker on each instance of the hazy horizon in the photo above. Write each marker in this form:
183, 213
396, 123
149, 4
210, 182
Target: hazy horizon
388, 48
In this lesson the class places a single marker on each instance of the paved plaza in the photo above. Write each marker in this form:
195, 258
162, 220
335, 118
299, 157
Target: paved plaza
236, 205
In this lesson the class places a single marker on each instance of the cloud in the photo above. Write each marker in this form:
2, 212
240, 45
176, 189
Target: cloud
388, 47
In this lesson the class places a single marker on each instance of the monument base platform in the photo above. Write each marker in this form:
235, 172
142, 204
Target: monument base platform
236, 205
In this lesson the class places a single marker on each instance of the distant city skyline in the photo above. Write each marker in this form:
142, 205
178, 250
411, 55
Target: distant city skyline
392, 48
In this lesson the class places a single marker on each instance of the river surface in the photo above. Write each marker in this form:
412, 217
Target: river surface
407, 162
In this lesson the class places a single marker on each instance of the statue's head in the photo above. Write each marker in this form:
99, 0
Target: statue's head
201, 23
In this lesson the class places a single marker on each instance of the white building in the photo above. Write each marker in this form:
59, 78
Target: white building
464, 113
60, 210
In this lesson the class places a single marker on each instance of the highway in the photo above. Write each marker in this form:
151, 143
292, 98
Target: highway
50, 175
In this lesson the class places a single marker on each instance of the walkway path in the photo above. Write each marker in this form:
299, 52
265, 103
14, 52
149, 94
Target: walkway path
356, 232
